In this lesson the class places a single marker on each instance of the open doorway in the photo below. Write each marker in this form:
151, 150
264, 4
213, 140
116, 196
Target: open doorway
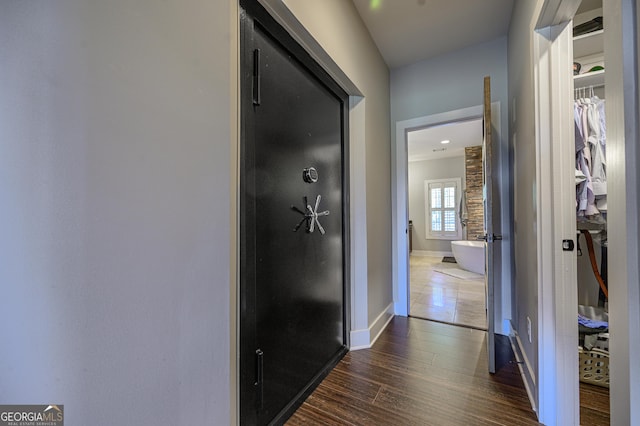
581, 212
489, 112
591, 221
444, 193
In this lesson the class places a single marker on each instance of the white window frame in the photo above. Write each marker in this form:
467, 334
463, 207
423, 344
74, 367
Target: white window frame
442, 235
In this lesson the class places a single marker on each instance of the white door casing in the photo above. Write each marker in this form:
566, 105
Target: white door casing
400, 210
557, 390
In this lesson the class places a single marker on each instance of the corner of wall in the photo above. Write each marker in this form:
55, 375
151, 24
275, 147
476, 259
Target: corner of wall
366, 337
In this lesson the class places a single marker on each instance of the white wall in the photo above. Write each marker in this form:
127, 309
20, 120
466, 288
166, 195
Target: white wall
337, 27
522, 141
451, 82
117, 134
419, 171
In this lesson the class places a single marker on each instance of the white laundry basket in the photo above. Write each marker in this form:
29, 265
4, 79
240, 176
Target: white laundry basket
594, 363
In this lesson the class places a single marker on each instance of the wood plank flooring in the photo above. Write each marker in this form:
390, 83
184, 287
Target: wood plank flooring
419, 373
594, 405
427, 373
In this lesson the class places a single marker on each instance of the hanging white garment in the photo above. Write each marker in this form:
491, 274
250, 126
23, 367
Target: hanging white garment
586, 199
597, 144
591, 166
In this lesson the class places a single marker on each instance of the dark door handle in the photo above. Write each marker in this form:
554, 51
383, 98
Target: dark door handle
489, 238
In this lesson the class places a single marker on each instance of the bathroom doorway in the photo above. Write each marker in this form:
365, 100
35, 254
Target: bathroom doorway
445, 203
498, 281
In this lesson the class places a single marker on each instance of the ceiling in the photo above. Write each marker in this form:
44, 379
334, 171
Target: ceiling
425, 144
408, 31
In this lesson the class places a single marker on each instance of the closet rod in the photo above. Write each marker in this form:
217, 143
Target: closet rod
591, 86
585, 91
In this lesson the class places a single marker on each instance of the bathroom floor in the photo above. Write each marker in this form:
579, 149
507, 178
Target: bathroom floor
441, 297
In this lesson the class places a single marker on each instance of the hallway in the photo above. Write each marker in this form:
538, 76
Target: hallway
419, 373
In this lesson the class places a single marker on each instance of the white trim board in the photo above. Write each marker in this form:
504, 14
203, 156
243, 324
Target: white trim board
621, 19
557, 331
361, 339
281, 13
359, 285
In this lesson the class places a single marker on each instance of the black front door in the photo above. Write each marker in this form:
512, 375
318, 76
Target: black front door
292, 229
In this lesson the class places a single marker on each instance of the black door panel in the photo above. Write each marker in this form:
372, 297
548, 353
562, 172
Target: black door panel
292, 278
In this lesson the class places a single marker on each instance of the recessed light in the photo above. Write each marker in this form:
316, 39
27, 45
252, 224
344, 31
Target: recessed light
445, 141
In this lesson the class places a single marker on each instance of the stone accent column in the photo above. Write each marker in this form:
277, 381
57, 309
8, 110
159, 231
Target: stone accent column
473, 179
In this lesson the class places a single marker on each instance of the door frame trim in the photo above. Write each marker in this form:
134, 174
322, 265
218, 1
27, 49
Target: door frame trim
622, 79
557, 390
281, 13
622, 47
400, 209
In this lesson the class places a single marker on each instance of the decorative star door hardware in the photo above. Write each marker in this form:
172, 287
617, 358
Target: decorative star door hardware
310, 216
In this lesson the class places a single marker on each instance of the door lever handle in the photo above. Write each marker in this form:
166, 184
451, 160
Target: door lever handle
489, 238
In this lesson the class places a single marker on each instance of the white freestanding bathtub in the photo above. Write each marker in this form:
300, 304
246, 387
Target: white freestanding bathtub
469, 255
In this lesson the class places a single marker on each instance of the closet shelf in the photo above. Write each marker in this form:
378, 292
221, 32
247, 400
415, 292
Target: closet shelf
594, 78
588, 44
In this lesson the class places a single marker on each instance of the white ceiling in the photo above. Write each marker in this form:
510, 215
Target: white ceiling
409, 31
422, 143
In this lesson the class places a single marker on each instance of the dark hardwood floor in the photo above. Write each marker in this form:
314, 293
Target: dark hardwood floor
419, 373
594, 405
427, 373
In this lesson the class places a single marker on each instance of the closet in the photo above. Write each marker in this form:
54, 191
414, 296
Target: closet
590, 131
591, 200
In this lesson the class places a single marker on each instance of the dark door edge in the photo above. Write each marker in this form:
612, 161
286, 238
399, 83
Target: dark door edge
299, 399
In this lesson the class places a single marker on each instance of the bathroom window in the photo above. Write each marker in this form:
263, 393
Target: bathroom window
442, 199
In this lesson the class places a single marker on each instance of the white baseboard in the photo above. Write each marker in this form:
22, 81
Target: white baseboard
381, 322
431, 253
528, 376
362, 339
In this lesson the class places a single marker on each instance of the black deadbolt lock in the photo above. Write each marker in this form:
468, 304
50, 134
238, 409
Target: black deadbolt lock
310, 175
